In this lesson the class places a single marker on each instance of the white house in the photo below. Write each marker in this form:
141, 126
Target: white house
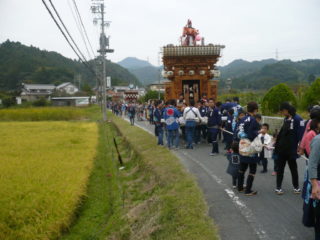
68, 88
31, 92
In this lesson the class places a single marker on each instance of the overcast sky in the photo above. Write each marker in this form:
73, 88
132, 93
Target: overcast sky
250, 29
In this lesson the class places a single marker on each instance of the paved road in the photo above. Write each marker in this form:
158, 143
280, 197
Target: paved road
265, 216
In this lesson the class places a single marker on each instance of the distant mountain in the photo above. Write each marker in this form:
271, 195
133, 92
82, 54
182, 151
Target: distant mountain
147, 75
267, 73
20, 63
134, 63
241, 67
143, 70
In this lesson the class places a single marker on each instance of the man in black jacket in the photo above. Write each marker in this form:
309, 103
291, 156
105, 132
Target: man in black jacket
286, 146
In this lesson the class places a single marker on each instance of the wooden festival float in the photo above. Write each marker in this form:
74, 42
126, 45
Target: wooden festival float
190, 67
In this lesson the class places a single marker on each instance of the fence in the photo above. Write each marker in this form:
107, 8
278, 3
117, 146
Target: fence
275, 123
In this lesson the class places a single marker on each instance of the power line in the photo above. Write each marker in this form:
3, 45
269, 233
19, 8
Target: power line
64, 26
64, 35
84, 29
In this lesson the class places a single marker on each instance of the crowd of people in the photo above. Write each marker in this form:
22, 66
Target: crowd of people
247, 140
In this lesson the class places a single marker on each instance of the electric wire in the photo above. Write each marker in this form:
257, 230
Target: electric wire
66, 38
64, 26
83, 27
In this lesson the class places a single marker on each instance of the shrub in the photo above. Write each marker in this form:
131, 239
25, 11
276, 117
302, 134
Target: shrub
152, 95
42, 102
8, 101
275, 96
312, 95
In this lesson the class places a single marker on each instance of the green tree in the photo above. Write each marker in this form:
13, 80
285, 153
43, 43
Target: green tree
87, 89
152, 95
312, 95
275, 96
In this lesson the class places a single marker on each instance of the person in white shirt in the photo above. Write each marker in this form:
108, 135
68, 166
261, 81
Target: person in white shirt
192, 116
266, 141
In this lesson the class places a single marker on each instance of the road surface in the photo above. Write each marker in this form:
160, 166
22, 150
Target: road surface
265, 216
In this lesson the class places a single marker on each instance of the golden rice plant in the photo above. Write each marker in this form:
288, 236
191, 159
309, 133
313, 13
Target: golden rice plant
43, 114
44, 169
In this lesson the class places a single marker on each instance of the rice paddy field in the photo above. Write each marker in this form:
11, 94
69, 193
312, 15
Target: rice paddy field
44, 170
44, 114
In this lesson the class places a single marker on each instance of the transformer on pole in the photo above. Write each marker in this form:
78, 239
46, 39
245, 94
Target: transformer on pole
98, 8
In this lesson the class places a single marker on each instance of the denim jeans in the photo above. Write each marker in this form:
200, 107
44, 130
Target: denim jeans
190, 129
160, 134
173, 138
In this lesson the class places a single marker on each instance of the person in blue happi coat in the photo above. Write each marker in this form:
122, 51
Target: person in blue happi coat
249, 129
171, 117
157, 121
214, 124
203, 112
228, 137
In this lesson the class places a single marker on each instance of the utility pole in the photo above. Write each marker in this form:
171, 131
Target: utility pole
159, 74
79, 81
277, 54
99, 9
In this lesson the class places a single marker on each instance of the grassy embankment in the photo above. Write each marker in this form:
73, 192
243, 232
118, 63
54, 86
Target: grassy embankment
44, 168
166, 202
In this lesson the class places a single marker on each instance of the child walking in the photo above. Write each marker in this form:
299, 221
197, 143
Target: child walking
266, 141
234, 162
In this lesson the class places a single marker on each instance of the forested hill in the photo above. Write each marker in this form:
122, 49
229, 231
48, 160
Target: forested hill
134, 63
20, 63
267, 73
241, 67
143, 70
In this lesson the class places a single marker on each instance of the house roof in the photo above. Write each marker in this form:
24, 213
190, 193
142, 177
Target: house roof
39, 86
69, 98
62, 85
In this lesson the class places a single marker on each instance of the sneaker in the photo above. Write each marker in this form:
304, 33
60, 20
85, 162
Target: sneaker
279, 191
251, 193
274, 173
213, 154
234, 186
296, 190
264, 171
